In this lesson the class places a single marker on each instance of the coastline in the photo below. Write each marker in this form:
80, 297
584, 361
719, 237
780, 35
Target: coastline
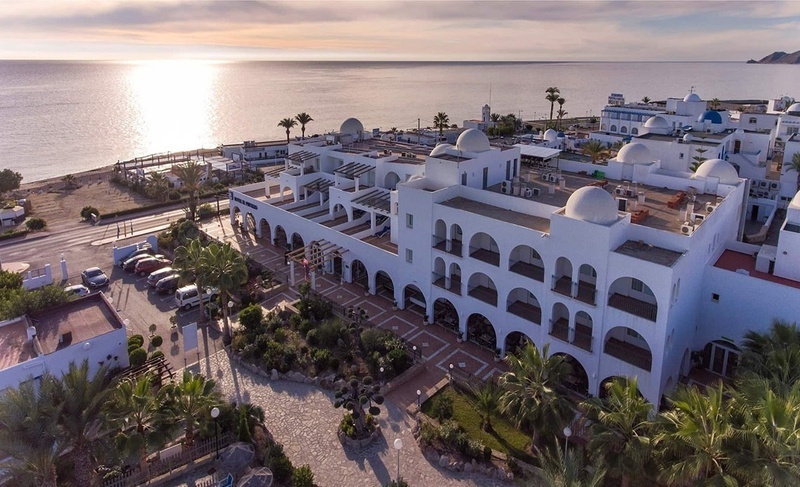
83, 177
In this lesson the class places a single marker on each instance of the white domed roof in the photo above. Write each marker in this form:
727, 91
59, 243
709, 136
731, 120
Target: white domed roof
592, 204
634, 153
472, 140
794, 110
550, 135
688, 138
351, 126
657, 122
692, 97
440, 149
717, 168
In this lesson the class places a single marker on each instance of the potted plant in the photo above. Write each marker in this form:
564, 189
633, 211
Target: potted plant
460, 336
394, 305
497, 357
425, 320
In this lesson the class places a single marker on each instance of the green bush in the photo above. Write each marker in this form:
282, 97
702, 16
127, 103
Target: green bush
399, 360
35, 224
400, 482
279, 335
277, 461
373, 340
312, 337
205, 211
330, 332
303, 477
87, 211
138, 356
442, 407
174, 195
156, 341
251, 317
321, 358
279, 356
137, 340
156, 354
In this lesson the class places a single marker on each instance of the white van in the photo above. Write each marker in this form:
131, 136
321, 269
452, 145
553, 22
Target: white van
187, 296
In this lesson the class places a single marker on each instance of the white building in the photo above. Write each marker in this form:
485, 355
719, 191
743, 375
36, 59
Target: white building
622, 273
256, 154
86, 328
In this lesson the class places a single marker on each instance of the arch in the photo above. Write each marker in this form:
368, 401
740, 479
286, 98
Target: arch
524, 304
603, 392
264, 230
481, 331
456, 240
280, 239
721, 357
623, 129
515, 341
686, 363
236, 216
634, 131
578, 379
603, 127
286, 191
587, 284
613, 128
481, 287
483, 247
384, 285
445, 314
629, 346
297, 241
250, 225
439, 269
359, 273
440, 235
526, 261
391, 180
633, 296
584, 327
338, 209
455, 278
562, 277
559, 322
413, 296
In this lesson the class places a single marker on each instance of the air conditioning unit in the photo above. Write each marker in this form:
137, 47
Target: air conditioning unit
536, 192
546, 176
528, 193
553, 177
505, 187
710, 207
619, 191
763, 184
774, 186
630, 193
697, 218
687, 228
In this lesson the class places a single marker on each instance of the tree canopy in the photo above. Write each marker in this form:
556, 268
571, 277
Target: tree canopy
9, 180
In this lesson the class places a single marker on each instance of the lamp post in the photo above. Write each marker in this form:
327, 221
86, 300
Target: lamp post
419, 397
398, 444
450, 378
381, 370
215, 415
414, 349
567, 433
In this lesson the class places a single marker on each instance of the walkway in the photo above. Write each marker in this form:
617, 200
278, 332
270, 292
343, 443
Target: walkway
303, 419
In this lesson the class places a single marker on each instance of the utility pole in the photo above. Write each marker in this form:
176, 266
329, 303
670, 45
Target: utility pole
419, 134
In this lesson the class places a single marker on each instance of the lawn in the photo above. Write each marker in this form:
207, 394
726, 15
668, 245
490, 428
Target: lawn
503, 437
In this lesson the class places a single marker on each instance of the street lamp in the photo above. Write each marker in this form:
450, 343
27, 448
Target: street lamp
398, 444
450, 378
215, 415
567, 433
419, 396
414, 349
381, 370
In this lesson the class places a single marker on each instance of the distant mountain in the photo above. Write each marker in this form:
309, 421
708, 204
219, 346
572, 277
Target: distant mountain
778, 57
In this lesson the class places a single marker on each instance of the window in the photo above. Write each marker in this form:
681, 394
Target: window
463, 179
715, 297
680, 156
641, 287
634, 131
409, 220
409, 256
753, 120
613, 128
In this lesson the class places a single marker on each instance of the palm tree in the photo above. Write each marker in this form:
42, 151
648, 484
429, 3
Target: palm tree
288, 124
495, 117
158, 186
646, 100
303, 118
774, 355
69, 181
715, 102
532, 393
620, 431
80, 399
191, 175
552, 95
190, 400
568, 469
487, 402
597, 150
191, 266
794, 165
225, 269
561, 114
29, 437
137, 412
441, 121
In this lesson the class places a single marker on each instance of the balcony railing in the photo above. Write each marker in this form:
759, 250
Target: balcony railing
560, 329
531, 271
583, 337
442, 244
485, 255
526, 311
485, 294
587, 293
630, 353
455, 283
634, 306
563, 285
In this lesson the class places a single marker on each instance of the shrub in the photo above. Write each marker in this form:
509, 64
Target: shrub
243, 428
239, 342
87, 211
442, 407
205, 211
329, 333
372, 340
303, 477
321, 358
399, 360
156, 341
280, 465
156, 354
138, 356
136, 340
251, 317
174, 195
279, 335
312, 338
400, 482
35, 224
487, 454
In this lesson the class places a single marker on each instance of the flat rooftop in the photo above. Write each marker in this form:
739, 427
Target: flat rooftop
85, 318
712, 139
733, 261
496, 213
14, 347
650, 253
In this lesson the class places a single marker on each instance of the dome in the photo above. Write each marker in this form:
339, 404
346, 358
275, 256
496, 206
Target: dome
592, 204
688, 138
794, 110
351, 126
634, 153
657, 122
550, 135
710, 116
440, 149
472, 140
560, 134
717, 168
692, 97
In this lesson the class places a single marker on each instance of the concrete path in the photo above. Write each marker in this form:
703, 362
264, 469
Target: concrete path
303, 419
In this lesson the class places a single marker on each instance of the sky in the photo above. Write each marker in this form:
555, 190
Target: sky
379, 30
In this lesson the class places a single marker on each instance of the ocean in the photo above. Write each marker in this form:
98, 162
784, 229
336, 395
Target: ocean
64, 117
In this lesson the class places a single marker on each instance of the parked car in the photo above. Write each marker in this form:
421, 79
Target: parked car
150, 264
159, 274
77, 290
167, 284
94, 278
130, 264
147, 250
187, 296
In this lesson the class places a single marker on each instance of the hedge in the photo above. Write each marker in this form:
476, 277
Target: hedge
154, 206
13, 234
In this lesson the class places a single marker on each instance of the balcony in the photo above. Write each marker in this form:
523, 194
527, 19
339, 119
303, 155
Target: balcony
563, 285
526, 311
583, 337
455, 283
629, 353
560, 329
441, 245
530, 271
587, 293
485, 294
634, 306
485, 255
